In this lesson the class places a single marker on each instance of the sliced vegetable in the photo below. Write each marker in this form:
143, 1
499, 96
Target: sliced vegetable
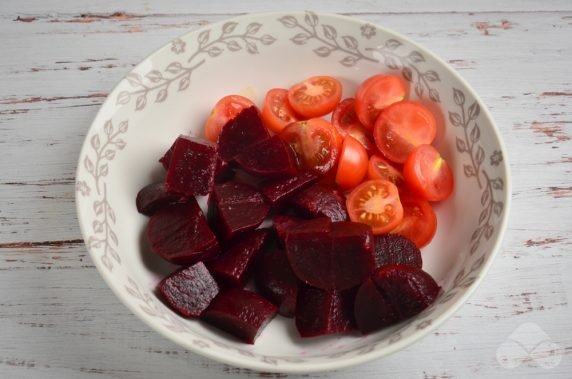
352, 165
224, 111
315, 96
276, 111
419, 222
428, 174
377, 93
345, 119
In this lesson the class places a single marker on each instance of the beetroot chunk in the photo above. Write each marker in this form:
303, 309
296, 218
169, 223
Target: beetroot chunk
269, 158
191, 167
233, 266
396, 249
283, 224
240, 133
371, 310
154, 196
320, 312
320, 200
241, 313
278, 191
236, 207
189, 291
276, 281
179, 234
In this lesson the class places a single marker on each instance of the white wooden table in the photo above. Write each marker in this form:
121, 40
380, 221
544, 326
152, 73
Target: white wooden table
60, 58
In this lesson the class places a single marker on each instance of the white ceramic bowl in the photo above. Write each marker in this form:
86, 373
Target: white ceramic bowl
172, 91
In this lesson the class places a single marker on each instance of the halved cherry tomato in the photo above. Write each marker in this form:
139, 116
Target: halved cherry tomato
224, 110
315, 96
380, 168
345, 119
401, 127
276, 111
315, 144
419, 222
377, 93
352, 165
428, 174
375, 203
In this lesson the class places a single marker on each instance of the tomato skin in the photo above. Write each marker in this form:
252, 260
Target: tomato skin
276, 111
315, 144
419, 222
352, 164
375, 203
315, 96
345, 119
402, 127
381, 168
428, 174
377, 93
224, 110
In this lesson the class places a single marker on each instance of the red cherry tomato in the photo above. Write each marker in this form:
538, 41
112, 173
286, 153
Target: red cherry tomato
428, 174
315, 96
375, 203
419, 222
377, 93
276, 111
315, 144
380, 168
352, 165
224, 110
345, 119
401, 127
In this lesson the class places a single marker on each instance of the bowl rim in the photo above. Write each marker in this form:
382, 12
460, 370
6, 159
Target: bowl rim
342, 362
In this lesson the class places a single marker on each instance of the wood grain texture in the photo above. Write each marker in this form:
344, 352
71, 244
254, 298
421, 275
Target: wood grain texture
61, 58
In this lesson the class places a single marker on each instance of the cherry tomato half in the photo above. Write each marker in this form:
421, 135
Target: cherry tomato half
380, 168
345, 119
276, 111
401, 127
377, 93
419, 222
352, 165
428, 174
315, 144
224, 110
315, 96
375, 203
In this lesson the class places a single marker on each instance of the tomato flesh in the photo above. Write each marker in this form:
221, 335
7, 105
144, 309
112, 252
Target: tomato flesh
377, 93
419, 222
315, 96
352, 164
224, 110
345, 119
276, 111
380, 168
402, 127
428, 174
375, 203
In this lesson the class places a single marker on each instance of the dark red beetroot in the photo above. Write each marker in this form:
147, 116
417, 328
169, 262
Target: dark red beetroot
166, 158
278, 191
240, 133
321, 200
189, 291
371, 310
241, 313
276, 281
223, 171
396, 249
154, 196
320, 312
233, 266
283, 224
192, 167
269, 158
179, 233
330, 255
236, 207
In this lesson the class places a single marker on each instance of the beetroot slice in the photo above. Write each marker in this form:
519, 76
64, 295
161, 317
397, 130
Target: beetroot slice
283, 224
179, 234
320, 312
372, 312
189, 291
233, 266
241, 313
276, 281
240, 133
278, 191
192, 167
236, 207
269, 158
321, 200
396, 249
154, 196
223, 171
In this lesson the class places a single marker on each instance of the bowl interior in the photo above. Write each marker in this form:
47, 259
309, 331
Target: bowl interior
171, 93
